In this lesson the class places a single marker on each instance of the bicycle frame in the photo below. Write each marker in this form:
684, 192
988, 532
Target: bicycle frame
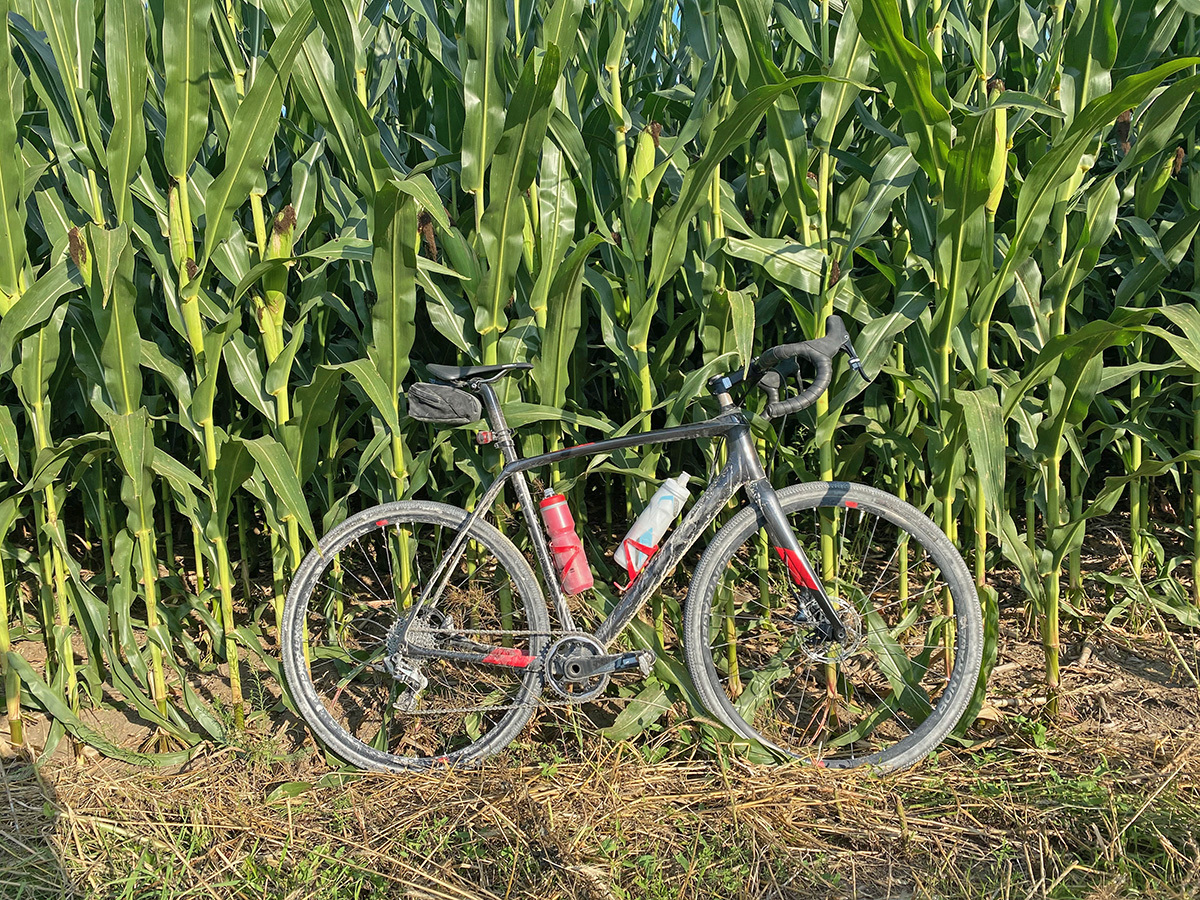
742, 471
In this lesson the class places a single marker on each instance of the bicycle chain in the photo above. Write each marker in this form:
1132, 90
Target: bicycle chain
539, 700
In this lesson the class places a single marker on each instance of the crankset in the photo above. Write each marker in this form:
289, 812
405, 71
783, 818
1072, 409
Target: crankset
578, 669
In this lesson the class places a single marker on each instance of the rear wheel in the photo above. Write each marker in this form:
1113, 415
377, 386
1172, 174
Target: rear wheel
371, 703
898, 682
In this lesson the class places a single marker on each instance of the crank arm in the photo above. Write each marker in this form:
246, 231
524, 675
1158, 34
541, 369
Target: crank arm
582, 670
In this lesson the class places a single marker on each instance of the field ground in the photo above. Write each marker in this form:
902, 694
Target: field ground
1104, 803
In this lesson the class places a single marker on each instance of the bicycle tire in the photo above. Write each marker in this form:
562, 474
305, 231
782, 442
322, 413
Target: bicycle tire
791, 720
339, 695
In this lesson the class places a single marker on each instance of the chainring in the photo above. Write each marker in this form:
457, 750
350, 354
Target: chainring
557, 671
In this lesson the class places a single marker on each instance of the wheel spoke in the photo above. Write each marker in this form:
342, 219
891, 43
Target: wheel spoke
882, 681
406, 709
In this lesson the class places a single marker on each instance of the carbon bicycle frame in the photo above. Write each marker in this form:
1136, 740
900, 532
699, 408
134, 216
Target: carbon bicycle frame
743, 470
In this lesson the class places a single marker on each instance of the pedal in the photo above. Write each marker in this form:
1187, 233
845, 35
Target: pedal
642, 660
646, 660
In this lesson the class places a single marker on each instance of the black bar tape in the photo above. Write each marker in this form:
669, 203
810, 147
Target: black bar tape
819, 352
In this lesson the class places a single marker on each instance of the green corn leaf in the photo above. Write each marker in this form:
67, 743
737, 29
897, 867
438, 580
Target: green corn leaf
486, 25
316, 82
35, 308
671, 231
985, 433
1039, 192
450, 313
561, 27
12, 174
851, 61
908, 78
50, 700
345, 41
512, 173
314, 405
254, 126
650, 705
787, 262
519, 414
368, 378
960, 234
280, 371
125, 55
116, 320
275, 466
1149, 274
246, 375
551, 370
1082, 344
394, 265
1089, 53
1186, 317
10, 444
556, 222
185, 40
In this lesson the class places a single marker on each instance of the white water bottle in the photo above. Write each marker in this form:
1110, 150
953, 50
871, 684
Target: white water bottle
642, 539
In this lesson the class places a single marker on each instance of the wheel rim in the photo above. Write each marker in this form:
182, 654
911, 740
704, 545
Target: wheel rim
372, 693
877, 697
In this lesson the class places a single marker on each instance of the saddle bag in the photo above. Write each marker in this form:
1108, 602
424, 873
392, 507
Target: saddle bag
441, 404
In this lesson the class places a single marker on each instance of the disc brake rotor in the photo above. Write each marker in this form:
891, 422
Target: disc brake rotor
854, 635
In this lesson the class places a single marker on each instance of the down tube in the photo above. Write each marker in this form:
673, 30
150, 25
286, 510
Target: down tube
706, 509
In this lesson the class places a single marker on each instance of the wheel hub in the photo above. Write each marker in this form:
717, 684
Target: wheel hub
825, 651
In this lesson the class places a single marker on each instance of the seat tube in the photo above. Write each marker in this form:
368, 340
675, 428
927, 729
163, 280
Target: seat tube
508, 451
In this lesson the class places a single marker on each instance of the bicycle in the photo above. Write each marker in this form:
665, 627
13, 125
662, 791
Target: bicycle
417, 635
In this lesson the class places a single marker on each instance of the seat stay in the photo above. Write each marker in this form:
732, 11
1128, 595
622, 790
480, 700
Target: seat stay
508, 451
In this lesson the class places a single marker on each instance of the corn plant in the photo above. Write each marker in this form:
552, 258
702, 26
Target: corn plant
231, 231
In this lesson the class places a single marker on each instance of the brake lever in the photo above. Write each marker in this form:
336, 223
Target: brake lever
855, 362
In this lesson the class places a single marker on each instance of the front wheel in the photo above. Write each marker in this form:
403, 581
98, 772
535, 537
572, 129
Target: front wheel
371, 701
901, 678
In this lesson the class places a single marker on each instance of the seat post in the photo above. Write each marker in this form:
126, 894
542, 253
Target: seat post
495, 417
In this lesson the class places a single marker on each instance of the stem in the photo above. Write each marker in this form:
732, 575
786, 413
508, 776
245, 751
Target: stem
224, 581
1135, 462
1075, 558
980, 535
277, 583
1050, 636
168, 529
145, 540
243, 545
197, 549
1196, 486
105, 532
12, 683
1194, 189
225, 575
57, 569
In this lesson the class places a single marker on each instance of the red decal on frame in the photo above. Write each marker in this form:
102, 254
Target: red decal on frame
509, 656
800, 573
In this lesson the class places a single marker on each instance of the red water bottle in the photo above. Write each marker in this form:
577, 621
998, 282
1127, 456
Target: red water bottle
569, 557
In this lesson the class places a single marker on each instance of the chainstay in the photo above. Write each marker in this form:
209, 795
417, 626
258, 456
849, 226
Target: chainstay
539, 700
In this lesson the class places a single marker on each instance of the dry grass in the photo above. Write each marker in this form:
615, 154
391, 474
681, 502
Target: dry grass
1013, 823
1104, 803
